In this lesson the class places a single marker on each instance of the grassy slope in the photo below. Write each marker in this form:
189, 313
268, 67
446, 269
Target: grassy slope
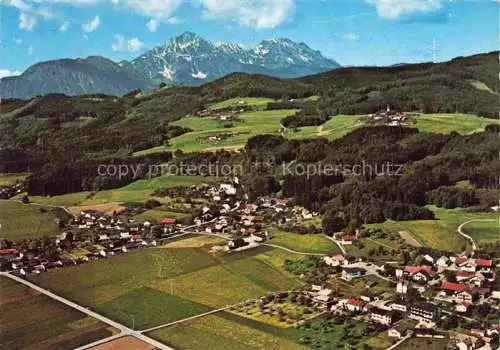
261, 122
442, 233
19, 221
38, 322
303, 243
233, 102
8, 179
446, 123
484, 231
139, 190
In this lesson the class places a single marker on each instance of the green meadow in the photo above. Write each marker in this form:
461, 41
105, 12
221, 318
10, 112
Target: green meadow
224, 332
179, 282
446, 123
235, 102
138, 191
19, 221
11, 178
442, 232
268, 122
307, 243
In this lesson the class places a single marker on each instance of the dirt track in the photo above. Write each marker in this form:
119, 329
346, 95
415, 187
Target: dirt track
409, 239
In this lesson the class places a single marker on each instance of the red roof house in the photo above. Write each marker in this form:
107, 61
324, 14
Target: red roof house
461, 260
354, 301
258, 218
9, 251
168, 221
348, 238
461, 274
483, 262
454, 287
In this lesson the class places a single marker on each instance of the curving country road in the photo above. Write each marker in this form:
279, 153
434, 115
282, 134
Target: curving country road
124, 330
466, 236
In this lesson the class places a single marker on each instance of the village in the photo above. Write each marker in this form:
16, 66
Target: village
432, 299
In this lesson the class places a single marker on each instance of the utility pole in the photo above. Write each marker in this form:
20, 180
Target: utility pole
133, 321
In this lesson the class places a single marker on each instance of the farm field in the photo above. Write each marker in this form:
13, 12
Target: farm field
137, 191
249, 124
19, 221
268, 122
484, 231
370, 244
158, 214
11, 178
208, 286
141, 190
442, 233
180, 282
29, 320
219, 332
66, 200
195, 241
336, 127
234, 102
307, 243
446, 123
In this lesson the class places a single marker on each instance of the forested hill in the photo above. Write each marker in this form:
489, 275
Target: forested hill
464, 84
58, 133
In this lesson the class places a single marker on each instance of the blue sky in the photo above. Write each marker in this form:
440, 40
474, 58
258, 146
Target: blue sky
353, 32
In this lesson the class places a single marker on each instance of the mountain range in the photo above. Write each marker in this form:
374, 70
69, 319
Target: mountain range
184, 60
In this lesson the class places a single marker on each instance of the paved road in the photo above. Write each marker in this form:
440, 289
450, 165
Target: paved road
124, 330
466, 236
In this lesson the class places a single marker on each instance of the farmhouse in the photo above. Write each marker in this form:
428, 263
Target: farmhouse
354, 305
349, 273
334, 260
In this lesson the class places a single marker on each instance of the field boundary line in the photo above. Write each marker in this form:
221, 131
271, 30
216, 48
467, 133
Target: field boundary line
191, 317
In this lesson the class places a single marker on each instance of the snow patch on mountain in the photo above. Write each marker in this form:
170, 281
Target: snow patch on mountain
190, 59
168, 73
199, 75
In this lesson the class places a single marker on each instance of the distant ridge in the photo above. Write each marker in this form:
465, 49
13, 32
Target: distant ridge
184, 60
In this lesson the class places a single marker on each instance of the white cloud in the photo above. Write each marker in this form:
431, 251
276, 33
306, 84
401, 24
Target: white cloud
91, 25
31, 50
124, 45
351, 36
256, 13
64, 26
8, 73
152, 25
134, 44
176, 20
18, 41
392, 9
158, 9
27, 22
